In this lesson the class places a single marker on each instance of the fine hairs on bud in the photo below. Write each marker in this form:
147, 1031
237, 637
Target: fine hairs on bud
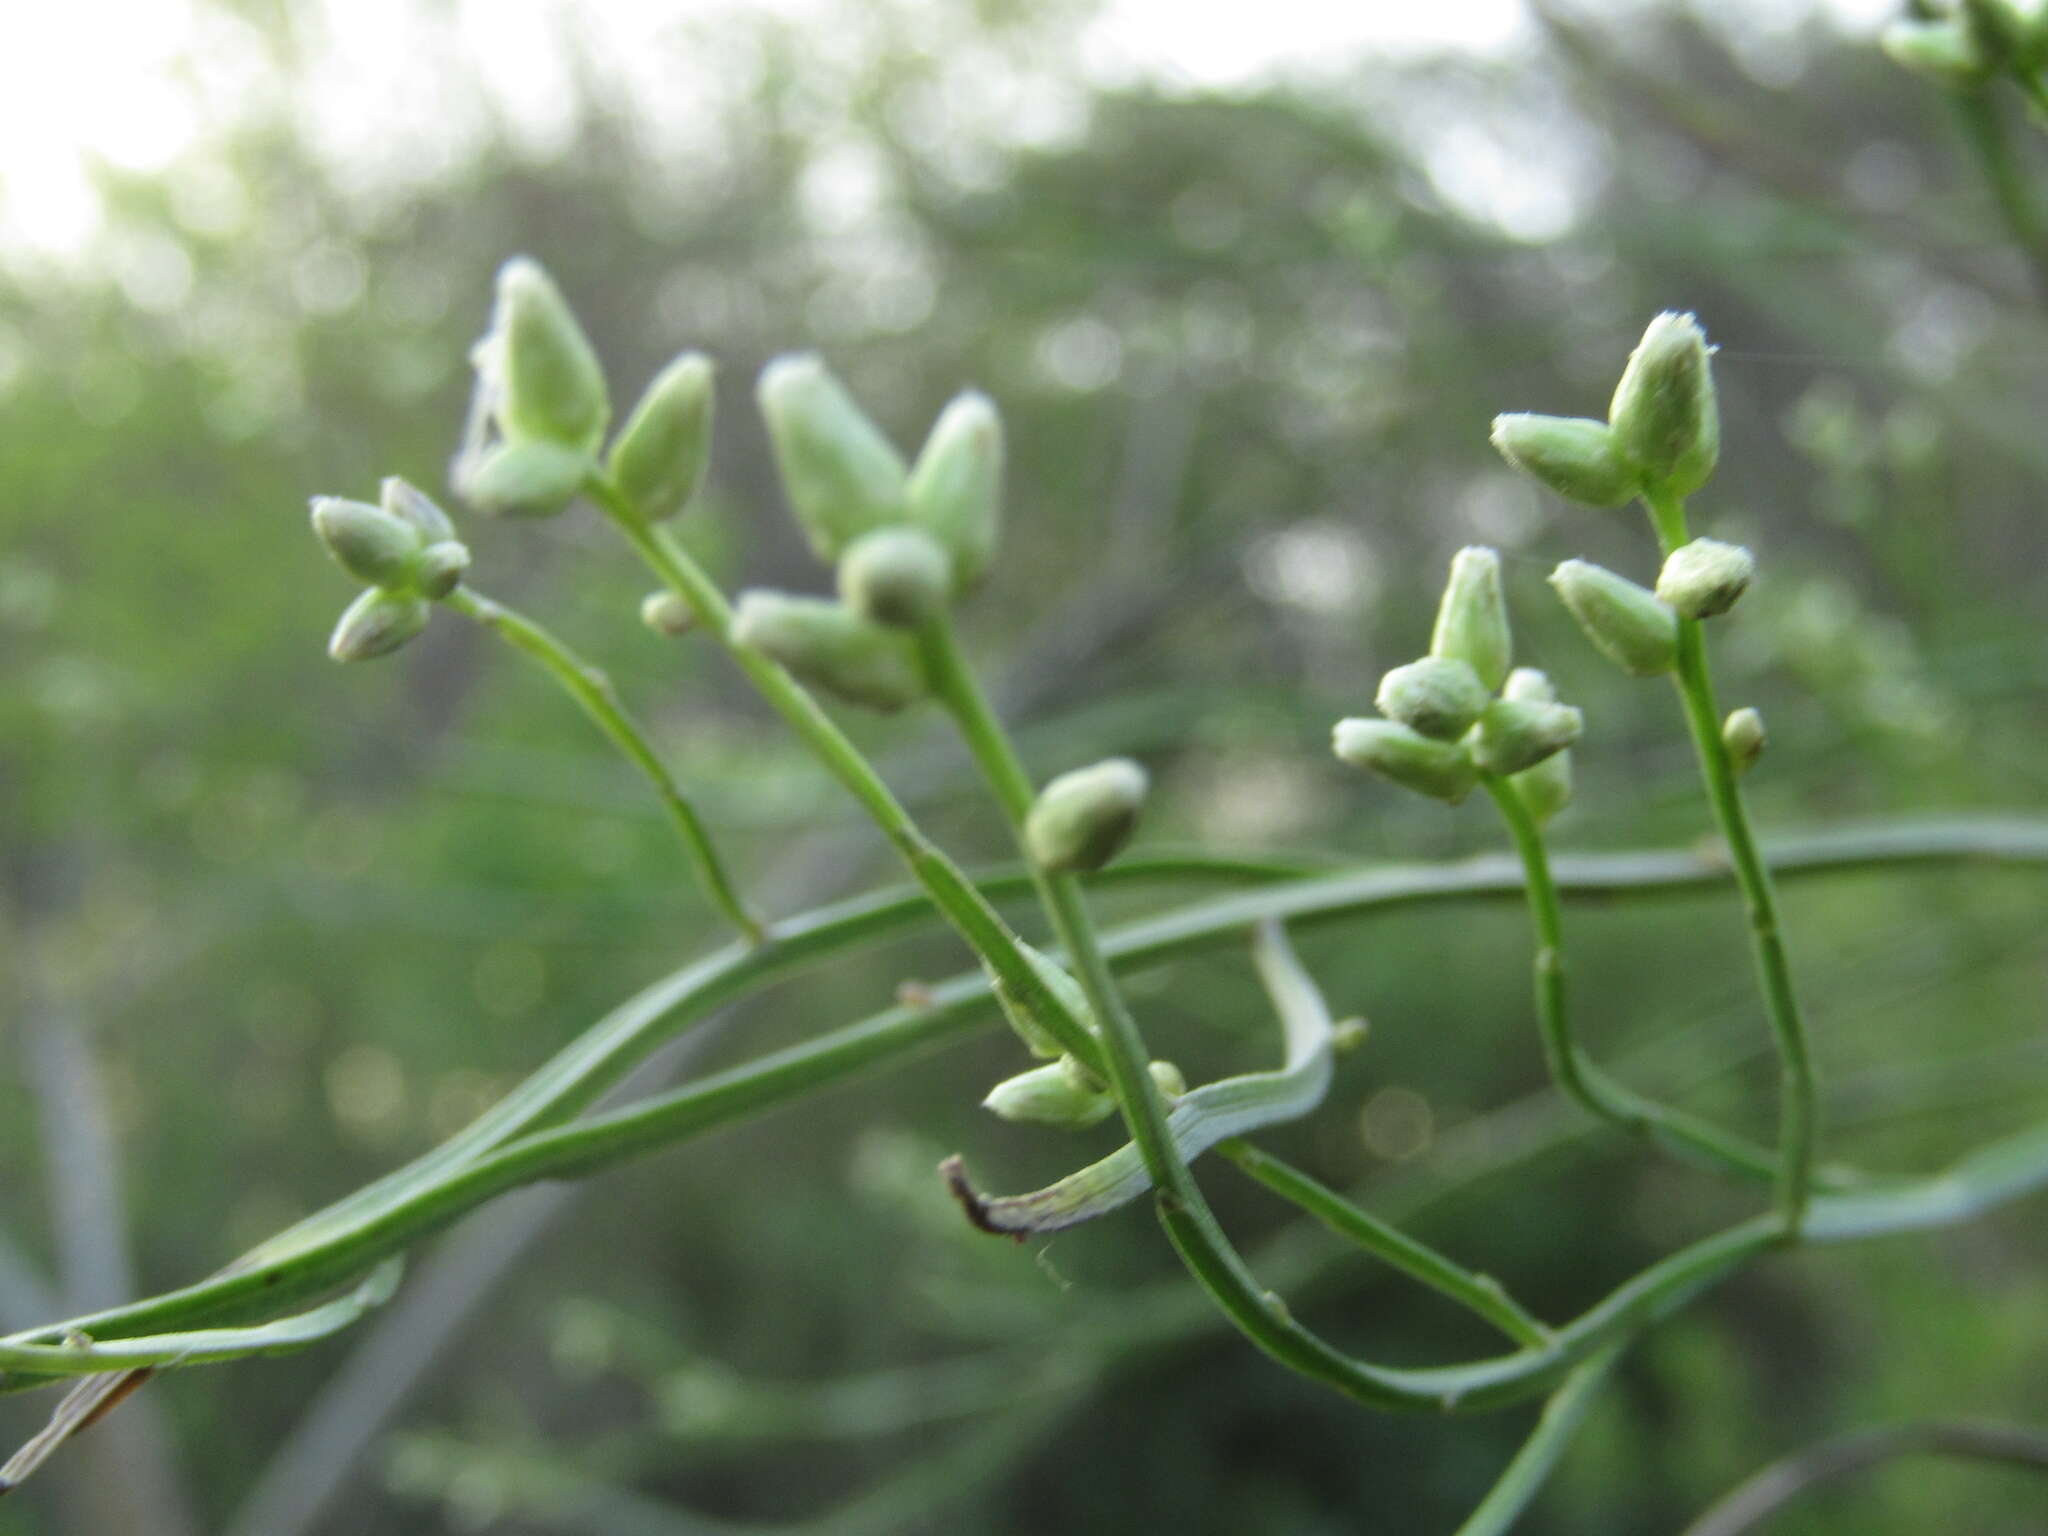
1472, 620
1437, 696
842, 476
1664, 415
657, 462
1081, 820
1517, 734
956, 490
1443, 770
368, 542
1573, 456
1706, 577
1057, 1094
828, 645
896, 576
550, 386
535, 478
1628, 623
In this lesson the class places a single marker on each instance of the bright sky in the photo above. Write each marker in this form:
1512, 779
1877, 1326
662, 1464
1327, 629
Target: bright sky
137, 82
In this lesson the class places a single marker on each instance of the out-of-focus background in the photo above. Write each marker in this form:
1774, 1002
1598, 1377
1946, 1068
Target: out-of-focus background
1248, 283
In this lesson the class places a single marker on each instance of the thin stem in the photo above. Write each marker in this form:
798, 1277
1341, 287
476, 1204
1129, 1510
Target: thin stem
593, 692
1481, 1294
1797, 1107
1983, 125
1532, 1466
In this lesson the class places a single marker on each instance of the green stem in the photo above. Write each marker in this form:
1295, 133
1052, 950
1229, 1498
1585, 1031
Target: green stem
1532, 1466
1983, 126
1480, 1293
593, 692
1797, 1099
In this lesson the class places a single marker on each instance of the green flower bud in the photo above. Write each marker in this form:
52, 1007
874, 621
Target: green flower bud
1942, 51
376, 622
369, 543
1546, 788
525, 479
1347, 1035
666, 614
1516, 734
1082, 819
402, 498
1436, 696
441, 568
1705, 577
1472, 620
1573, 456
550, 385
896, 576
1529, 684
1443, 770
842, 476
1627, 622
1664, 415
956, 489
657, 461
826, 644
1167, 1078
1024, 1018
1742, 733
1056, 1094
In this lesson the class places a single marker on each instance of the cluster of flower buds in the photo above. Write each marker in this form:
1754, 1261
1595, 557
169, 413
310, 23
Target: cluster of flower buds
1459, 712
906, 539
1974, 41
1662, 435
540, 411
405, 549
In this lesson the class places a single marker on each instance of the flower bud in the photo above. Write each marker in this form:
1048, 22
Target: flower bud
842, 476
1573, 456
441, 568
896, 576
1530, 684
1943, 51
1082, 819
1436, 696
1516, 734
1443, 770
401, 498
525, 479
1056, 1094
367, 542
826, 644
1705, 577
1347, 1035
956, 488
1742, 733
1472, 620
658, 458
1167, 1078
666, 614
1546, 788
551, 387
1024, 1018
1664, 415
1627, 622
376, 622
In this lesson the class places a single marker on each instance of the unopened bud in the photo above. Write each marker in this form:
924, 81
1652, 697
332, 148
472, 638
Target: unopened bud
376, 622
1443, 770
551, 387
1742, 733
896, 576
1437, 696
658, 458
1347, 1035
1056, 1094
1546, 788
1530, 684
401, 498
1573, 456
842, 476
369, 543
1024, 1015
956, 488
1082, 819
1705, 577
666, 614
1516, 734
826, 644
1167, 1078
1664, 415
1627, 622
1472, 620
441, 567
535, 478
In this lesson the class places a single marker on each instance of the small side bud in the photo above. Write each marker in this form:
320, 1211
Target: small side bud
552, 386
1055, 1094
1347, 1035
826, 644
657, 461
1705, 577
1531, 685
1742, 733
1472, 620
895, 576
441, 568
526, 479
1167, 1078
1627, 622
956, 489
1517, 734
1081, 820
1443, 770
1665, 418
842, 476
1546, 788
666, 614
1943, 51
1024, 1018
1436, 696
401, 498
377, 622
369, 543
1573, 456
